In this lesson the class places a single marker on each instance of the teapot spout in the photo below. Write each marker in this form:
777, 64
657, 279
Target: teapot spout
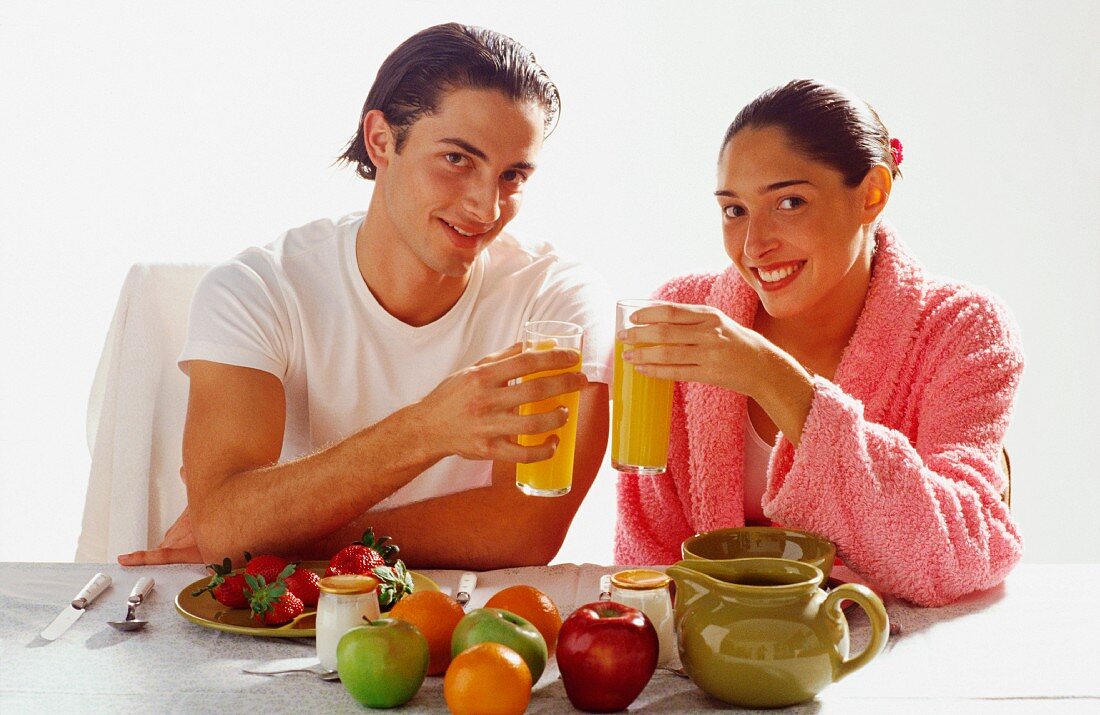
691, 585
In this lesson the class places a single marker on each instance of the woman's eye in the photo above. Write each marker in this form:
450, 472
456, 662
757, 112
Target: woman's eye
733, 211
792, 202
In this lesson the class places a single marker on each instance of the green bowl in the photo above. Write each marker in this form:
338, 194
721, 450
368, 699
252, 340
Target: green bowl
748, 542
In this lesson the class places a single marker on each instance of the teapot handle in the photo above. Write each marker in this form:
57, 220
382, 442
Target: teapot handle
866, 599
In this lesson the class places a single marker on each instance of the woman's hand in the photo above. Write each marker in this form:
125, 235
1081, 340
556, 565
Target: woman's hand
698, 343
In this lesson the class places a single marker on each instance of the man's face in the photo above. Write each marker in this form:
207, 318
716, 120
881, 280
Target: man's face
459, 178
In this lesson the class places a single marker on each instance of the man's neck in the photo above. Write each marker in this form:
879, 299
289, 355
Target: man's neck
406, 288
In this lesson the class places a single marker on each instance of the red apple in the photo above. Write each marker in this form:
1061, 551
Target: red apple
607, 652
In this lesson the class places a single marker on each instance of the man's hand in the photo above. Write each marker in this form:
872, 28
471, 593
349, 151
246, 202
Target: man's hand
178, 547
474, 412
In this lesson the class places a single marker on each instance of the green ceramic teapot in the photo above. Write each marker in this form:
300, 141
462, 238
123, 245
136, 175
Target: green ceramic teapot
761, 633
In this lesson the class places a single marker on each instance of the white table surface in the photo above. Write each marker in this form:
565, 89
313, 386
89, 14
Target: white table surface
1030, 645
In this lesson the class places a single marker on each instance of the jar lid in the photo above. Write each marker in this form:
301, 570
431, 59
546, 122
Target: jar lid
640, 579
348, 584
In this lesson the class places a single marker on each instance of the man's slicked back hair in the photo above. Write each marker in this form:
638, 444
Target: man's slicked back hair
413, 79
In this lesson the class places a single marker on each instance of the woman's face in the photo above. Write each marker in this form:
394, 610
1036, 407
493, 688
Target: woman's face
791, 226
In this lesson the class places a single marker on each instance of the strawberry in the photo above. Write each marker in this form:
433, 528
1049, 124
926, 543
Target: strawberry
363, 557
224, 586
231, 592
272, 604
266, 565
394, 583
305, 584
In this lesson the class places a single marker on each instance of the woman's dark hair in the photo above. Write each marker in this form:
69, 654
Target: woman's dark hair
825, 123
412, 80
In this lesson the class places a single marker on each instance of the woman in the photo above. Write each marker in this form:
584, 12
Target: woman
885, 392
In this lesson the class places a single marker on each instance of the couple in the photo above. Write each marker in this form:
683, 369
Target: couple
356, 373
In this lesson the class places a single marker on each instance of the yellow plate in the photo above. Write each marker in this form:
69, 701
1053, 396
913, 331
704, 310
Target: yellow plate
207, 612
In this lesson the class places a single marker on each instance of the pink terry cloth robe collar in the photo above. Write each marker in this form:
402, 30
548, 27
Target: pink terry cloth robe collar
717, 446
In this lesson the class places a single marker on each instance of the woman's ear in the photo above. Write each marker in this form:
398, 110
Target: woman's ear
875, 187
378, 138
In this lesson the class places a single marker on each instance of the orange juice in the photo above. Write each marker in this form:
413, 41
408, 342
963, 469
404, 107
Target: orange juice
640, 418
554, 476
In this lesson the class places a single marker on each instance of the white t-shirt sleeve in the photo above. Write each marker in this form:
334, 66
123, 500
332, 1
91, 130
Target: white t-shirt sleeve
577, 294
239, 317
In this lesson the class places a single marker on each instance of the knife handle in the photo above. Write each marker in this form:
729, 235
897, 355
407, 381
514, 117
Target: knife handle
467, 583
91, 590
141, 589
605, 587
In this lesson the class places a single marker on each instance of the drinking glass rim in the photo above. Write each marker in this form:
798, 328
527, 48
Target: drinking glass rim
640, 302
571, 330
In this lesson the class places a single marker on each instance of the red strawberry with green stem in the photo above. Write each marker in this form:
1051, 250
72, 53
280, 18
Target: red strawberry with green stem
364, 556
226, 587
306, 585
266, 565
272, 604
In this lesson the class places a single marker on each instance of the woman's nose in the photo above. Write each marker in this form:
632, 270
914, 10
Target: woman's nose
760, 238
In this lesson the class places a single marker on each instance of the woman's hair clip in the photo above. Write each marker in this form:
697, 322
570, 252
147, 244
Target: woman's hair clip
895, 151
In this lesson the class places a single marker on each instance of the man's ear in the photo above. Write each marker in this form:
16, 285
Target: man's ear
379, 138
875, 188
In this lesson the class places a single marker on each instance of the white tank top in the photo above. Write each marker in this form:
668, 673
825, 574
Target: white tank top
757, 454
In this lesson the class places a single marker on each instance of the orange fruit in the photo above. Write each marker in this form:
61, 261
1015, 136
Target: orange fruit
534, 605
487, 679
435, 615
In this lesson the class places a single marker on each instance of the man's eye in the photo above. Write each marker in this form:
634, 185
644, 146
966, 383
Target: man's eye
733, 211
514, 177
455, 158
792, 202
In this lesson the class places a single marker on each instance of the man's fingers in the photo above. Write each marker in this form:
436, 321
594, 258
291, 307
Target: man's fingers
155, 557
542, 388
541, 422
530, 362
506, 451
514, 349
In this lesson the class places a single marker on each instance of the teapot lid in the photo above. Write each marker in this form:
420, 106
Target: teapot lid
640, 579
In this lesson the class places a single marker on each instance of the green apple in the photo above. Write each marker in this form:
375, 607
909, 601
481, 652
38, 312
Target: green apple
383, 663
494, 625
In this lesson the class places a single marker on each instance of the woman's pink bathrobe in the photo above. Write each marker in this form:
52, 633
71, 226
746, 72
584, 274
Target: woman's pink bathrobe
898, 459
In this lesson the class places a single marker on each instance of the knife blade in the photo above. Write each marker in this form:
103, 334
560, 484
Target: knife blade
69, 616
466, 586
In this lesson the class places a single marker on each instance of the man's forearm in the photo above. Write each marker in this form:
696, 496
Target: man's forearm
285, 508
497, 526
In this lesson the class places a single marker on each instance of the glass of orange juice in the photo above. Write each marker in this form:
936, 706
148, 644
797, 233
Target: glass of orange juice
551, 477
641, 407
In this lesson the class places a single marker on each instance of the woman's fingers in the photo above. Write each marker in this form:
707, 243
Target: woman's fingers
683, 355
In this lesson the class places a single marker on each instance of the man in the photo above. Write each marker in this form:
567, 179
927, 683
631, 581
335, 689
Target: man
335, 379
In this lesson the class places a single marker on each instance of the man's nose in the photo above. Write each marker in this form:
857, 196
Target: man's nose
482, 201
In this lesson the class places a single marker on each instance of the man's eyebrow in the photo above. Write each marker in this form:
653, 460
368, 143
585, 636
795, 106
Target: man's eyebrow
474, 151
767, 189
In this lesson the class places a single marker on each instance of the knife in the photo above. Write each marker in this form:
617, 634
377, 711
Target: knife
466, 586
67, 617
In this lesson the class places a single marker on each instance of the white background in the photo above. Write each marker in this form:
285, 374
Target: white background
146, 131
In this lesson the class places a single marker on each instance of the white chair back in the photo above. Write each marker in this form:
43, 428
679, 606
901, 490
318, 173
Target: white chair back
136, 412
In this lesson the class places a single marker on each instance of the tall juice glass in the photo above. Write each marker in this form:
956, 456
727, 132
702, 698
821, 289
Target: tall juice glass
641, 409
551, 477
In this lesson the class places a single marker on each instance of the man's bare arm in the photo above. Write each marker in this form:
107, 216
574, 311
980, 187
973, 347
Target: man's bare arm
240, 498
493, 527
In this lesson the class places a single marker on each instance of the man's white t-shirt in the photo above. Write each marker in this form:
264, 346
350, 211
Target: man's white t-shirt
299, 309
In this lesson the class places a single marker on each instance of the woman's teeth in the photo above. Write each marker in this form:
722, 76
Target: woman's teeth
778, 274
